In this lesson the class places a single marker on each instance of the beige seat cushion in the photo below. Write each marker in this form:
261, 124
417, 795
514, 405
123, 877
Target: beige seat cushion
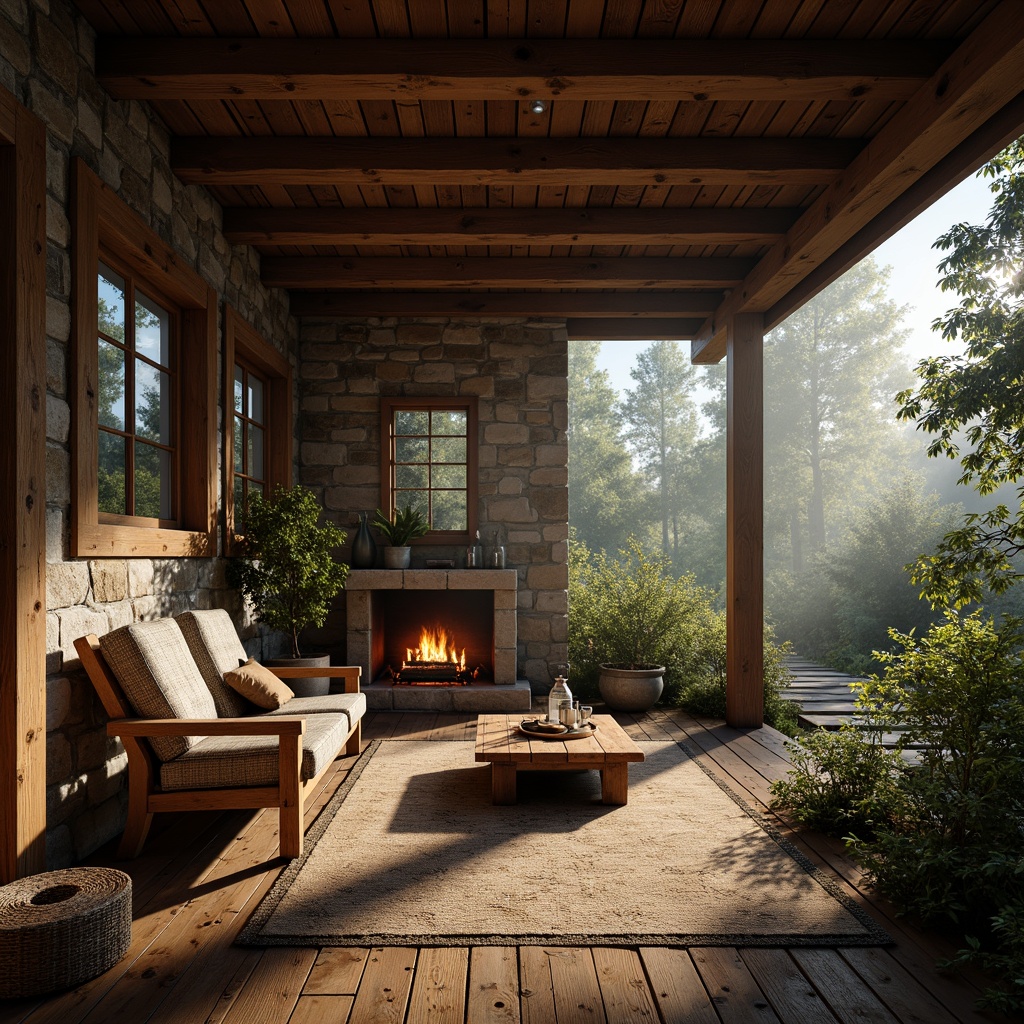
351, 704
211, 637
155, 669
221, 762
259, 686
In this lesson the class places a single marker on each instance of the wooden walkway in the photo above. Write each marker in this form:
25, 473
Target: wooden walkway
202, 874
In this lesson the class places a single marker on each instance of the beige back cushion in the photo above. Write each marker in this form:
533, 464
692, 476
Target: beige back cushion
215, 646
155, 669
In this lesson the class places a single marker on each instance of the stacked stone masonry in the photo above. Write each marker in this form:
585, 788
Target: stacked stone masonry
47, 61
518, 371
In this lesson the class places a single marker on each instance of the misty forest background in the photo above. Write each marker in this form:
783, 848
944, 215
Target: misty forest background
850, 496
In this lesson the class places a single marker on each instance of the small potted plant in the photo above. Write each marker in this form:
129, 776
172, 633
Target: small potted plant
288, 571
406, 524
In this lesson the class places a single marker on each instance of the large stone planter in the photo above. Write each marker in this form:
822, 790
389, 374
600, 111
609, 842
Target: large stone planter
314, 685
631, 689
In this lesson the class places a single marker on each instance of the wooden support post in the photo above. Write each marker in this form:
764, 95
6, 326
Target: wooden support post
744, 522
22, 491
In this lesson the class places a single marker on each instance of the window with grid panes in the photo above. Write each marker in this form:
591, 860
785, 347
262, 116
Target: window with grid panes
431, 462
137, 443
250, 431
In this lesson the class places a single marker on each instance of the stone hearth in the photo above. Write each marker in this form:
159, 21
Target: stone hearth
366, 592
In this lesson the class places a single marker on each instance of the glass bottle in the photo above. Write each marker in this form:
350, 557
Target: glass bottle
559, 692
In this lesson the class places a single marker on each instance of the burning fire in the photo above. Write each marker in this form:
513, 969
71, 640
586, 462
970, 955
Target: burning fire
436, 648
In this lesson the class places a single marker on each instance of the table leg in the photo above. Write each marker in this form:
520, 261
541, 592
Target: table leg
503, 783
615, 783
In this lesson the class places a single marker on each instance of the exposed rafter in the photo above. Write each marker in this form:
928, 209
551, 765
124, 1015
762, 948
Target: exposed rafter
499, 272
601, 329
581, 226
981, 77
617, 306
514, 69
519, 161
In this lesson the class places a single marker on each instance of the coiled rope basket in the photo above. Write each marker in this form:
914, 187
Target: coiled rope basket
60, 928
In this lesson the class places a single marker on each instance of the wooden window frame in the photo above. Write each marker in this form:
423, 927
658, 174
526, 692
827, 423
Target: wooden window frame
106, 229
243, 344
467, 404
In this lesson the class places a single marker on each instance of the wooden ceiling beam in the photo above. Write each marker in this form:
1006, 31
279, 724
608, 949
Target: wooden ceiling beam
517, 161
979, 79
149, 68
662, 329
502, 226
499, 272
619, 306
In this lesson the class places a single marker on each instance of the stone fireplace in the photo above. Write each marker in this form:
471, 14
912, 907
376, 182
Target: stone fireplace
386, 611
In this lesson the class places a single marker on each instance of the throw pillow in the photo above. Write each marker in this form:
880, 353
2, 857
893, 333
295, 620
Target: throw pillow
258, 685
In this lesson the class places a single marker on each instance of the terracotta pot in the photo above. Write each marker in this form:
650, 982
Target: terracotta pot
631, 689
311, 686
397, 558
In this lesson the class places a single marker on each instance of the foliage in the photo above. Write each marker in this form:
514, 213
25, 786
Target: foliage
957, 692
975, 400
287, 570
841, 782
1003, 958
840, 609
608, 498
406, 524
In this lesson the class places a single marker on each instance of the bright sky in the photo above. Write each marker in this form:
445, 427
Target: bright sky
913, 282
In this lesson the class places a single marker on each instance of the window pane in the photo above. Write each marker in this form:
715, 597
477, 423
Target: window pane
239, 393
255, 488
110, 306
111, 475
256, 399
448, 449
152, 482
448, 422
412, 476
239, 503
239, 446
412, 422
152, 403
255, 467
111, 376
412, 449
450, 510
415, 499
449, 476
152, 330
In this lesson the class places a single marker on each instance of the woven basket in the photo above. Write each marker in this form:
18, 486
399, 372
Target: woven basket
61, 928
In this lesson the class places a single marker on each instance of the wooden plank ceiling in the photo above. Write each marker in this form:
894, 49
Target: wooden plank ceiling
694, 159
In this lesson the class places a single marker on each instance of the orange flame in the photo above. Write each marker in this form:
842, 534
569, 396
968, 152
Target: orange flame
436, 646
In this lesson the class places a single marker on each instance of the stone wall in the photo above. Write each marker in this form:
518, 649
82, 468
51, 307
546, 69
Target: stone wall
47, 62
518, 369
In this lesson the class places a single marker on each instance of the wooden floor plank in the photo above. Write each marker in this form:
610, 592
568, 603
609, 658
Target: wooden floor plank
337, 971
439, 986
793, 998
387, 980
577, 990
537, 988
493, 985
677, 988
270, 994
736, 995
627, 998
322, 1010
841, 988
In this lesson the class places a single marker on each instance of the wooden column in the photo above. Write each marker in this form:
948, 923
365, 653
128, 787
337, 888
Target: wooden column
22, 491
744, 521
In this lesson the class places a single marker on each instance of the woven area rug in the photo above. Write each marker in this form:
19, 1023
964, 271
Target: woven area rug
410, 851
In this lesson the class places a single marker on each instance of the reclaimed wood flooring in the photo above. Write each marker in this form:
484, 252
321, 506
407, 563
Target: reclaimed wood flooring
202, 873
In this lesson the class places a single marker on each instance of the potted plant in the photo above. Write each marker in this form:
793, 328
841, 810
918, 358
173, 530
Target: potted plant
406, 524
627, 621
287, 570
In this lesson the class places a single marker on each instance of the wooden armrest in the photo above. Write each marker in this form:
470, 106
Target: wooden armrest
271, 725
350, 673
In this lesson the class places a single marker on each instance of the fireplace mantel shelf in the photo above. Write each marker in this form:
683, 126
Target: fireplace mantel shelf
432, 579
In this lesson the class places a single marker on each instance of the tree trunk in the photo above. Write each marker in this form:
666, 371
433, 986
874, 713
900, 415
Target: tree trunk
797, 542
816, 501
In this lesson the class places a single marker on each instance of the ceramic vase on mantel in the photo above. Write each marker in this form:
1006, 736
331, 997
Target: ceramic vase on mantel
364, 548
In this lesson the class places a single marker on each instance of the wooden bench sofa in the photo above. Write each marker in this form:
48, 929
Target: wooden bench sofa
195, 744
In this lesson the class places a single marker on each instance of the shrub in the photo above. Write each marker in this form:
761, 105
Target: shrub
841, 783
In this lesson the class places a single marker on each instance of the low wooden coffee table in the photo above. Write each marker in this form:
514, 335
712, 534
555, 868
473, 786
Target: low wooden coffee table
609, 750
